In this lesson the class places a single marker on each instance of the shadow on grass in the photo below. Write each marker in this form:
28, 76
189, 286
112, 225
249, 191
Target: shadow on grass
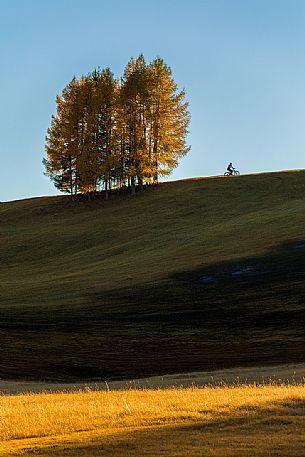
286, 259
273, 429
252, 312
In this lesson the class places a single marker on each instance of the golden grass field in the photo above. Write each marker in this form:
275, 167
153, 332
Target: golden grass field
244, 420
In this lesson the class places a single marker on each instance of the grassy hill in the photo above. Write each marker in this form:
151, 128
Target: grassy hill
192, 275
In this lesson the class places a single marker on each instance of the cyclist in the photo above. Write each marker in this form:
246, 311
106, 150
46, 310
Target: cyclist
230, 168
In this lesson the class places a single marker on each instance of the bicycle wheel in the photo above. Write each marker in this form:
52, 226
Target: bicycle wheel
236, 173
226, 173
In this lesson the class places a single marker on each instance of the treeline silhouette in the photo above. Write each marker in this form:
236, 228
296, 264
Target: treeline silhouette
117, 134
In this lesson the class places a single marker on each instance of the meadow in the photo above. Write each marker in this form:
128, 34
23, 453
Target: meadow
201, 274
120, 288
238, 420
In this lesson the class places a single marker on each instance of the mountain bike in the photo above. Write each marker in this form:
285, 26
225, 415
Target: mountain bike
234, 173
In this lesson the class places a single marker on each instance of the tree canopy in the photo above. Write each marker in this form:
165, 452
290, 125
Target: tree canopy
110, 133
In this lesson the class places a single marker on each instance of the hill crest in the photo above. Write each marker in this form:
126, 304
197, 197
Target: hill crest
95, 290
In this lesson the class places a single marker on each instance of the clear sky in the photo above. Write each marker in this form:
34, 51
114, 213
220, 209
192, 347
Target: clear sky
242, 63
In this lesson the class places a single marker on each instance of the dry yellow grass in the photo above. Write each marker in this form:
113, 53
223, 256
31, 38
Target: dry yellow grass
293, 373
224, 421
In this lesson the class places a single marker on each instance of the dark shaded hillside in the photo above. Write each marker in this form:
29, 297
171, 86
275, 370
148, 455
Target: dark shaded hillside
193, 275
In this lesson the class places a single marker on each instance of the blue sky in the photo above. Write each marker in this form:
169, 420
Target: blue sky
242, 64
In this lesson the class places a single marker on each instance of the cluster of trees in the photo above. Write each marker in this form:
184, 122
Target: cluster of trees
112, 134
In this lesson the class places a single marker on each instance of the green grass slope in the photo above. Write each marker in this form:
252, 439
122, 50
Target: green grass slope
154, 283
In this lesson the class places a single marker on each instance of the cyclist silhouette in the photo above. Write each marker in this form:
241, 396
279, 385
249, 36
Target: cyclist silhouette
230, 168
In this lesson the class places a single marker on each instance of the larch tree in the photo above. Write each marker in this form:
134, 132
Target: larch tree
169, 119
62, 141
103, 90
109, 135
132, 98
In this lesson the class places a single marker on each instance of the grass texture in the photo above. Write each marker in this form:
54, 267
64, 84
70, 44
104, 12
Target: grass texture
224, 421
113, 289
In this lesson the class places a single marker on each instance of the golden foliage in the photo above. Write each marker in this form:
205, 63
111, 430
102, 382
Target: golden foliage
111, 134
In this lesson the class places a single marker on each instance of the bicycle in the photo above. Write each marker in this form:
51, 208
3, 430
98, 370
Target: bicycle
234, 173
